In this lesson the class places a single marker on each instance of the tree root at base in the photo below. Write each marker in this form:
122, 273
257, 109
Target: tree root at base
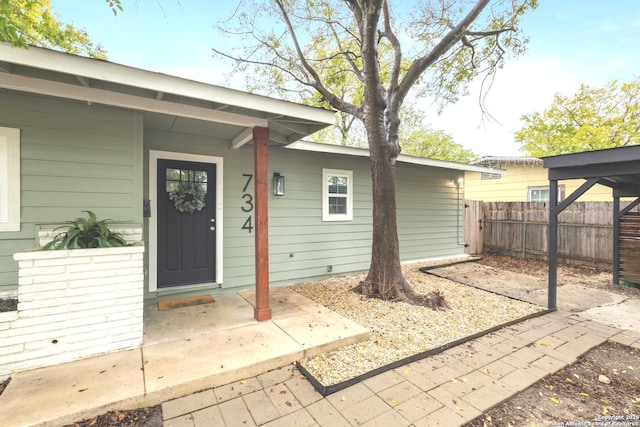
399, 293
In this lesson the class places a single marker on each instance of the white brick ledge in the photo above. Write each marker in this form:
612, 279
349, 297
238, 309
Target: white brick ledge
73, 304
130, 235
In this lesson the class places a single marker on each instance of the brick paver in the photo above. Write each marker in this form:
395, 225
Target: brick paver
236, 389
383, 381
299, 418
326, 414
399, 393
448, 389
210, 416
261, 408
235, 413
365, 410
188, 404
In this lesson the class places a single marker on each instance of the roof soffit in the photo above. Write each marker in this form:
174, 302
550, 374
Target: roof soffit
109, 72
62, 75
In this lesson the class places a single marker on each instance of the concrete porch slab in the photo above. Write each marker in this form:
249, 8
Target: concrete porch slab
321, 332
228, 311
61, 394
185, 350
214, 359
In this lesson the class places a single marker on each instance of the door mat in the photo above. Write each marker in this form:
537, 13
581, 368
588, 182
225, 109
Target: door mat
169, 304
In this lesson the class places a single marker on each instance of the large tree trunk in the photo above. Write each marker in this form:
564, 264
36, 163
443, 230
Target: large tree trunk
385, 272
380, 114
385, 279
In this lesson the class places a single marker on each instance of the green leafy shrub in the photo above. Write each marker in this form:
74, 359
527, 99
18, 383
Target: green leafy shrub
84, 233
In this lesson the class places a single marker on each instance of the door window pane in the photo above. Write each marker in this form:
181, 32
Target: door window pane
174, 177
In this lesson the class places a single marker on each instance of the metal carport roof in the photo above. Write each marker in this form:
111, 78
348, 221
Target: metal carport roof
616, 168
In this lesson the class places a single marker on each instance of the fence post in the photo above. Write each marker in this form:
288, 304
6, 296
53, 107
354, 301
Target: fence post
524, 236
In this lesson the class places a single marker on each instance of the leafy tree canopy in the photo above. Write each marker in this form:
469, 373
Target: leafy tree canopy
419, 140
416, 138
32, 22
594, 118
334, 69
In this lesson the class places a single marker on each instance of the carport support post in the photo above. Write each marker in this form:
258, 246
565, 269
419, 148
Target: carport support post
616, 240
262, 311
553, 244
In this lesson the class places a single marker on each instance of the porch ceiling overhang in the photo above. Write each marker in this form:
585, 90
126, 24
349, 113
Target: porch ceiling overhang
617, 168
168, 102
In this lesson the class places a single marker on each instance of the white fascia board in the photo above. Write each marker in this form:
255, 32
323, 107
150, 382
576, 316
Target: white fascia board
363, 152
121, 74
447, 165
100, 96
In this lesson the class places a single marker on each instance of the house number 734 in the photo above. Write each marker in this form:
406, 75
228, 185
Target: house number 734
247, 207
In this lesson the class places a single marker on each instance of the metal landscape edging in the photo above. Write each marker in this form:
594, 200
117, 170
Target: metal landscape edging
326, 390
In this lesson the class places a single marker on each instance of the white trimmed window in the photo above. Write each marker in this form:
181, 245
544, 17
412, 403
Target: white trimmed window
538, 194
541, 193
9, 179
337, 195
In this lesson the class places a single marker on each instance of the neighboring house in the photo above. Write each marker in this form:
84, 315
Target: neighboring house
84, 134
524, 180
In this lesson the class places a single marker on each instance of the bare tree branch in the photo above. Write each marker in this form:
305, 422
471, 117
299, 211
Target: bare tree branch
482, 34
443, 46
336, 102
348, 55
265, 64
395, 43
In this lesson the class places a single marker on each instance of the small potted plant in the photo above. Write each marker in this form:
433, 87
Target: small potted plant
86, 233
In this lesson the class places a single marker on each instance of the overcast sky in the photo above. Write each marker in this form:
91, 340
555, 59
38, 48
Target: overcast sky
572, 42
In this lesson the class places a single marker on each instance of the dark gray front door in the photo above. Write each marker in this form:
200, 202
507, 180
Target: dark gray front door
186, 223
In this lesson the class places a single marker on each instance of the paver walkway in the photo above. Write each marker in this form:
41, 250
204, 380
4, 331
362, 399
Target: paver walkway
447, 389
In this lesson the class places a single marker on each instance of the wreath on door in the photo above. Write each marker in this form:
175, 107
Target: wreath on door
188, 197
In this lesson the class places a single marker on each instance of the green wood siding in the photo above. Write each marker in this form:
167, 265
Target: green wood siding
301, 245
428, 207
74, 157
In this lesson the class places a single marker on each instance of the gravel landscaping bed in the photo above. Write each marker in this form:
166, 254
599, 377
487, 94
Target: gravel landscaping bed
400, 330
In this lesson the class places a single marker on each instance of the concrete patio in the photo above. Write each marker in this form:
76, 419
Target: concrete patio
185, 350
213, 364
449, 389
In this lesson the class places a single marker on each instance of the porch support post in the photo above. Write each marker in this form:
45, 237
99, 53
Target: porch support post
616, 240
262, 311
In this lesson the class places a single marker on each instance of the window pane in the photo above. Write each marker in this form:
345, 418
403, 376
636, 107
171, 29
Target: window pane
540, 195
173, 174
337, 205
171, 186
338, 185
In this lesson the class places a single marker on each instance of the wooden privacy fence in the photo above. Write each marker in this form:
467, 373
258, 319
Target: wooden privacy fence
630, 247
585, 230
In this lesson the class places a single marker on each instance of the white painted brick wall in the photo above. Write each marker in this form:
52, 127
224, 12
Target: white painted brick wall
73, 304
